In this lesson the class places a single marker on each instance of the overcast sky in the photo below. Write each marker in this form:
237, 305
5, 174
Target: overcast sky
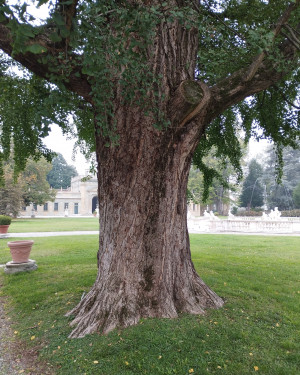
57, 142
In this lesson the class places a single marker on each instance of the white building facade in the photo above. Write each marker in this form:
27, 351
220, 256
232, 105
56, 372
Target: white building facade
79, 200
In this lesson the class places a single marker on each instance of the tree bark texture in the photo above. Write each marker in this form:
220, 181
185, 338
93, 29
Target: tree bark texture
145, 266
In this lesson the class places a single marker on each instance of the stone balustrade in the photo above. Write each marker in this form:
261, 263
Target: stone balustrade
244, 225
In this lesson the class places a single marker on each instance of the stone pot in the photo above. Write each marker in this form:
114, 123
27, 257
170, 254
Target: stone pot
4, 229
20, 250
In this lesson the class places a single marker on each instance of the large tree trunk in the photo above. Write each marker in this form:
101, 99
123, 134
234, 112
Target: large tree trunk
144, 259
145, 266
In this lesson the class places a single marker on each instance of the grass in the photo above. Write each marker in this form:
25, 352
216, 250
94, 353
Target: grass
257, 331
59, 224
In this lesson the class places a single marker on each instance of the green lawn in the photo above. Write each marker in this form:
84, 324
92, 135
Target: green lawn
60, 224
257, 331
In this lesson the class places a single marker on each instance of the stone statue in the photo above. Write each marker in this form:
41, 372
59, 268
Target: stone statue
212, 216
275, 215
206, 214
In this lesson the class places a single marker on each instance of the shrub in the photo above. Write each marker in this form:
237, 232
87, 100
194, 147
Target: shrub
249, 213
234, 210
5, 220
291, 213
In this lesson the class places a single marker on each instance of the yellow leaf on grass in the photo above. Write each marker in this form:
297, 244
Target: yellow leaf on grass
191, 370
32, 337
255, 368
126, 363
95, 362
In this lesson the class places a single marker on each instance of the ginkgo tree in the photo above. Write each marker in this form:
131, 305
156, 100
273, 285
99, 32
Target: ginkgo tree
151, 85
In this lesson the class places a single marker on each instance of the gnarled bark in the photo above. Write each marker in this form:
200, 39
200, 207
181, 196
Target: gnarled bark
145, 266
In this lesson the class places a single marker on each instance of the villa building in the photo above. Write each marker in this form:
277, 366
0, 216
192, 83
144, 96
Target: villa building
80, 199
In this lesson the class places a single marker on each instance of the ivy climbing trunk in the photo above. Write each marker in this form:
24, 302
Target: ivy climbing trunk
144, 260
145, 266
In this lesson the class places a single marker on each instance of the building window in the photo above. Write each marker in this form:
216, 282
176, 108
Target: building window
75, 208
66, 206
35, 207
24, 208
55, 206
46, 207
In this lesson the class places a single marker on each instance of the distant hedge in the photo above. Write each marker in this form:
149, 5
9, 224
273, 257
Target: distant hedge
249, 213
291, 213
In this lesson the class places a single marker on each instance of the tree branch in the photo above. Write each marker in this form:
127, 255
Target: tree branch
189, 99
249, 80
280, 23
75, 81
260, 75
285, 98
68, 11
294, 36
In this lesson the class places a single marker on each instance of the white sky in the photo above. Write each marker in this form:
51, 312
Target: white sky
58, 142
256, 149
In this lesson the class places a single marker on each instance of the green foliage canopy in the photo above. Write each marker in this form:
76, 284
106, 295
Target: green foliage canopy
94, 47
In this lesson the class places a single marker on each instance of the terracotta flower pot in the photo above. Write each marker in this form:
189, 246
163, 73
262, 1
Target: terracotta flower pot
20, 250
4, 229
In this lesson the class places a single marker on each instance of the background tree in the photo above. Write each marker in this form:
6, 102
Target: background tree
221, 186
296, 196
31, 186
11, 194
151, 86
281, 195
252, 191
37, 189
61, 173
